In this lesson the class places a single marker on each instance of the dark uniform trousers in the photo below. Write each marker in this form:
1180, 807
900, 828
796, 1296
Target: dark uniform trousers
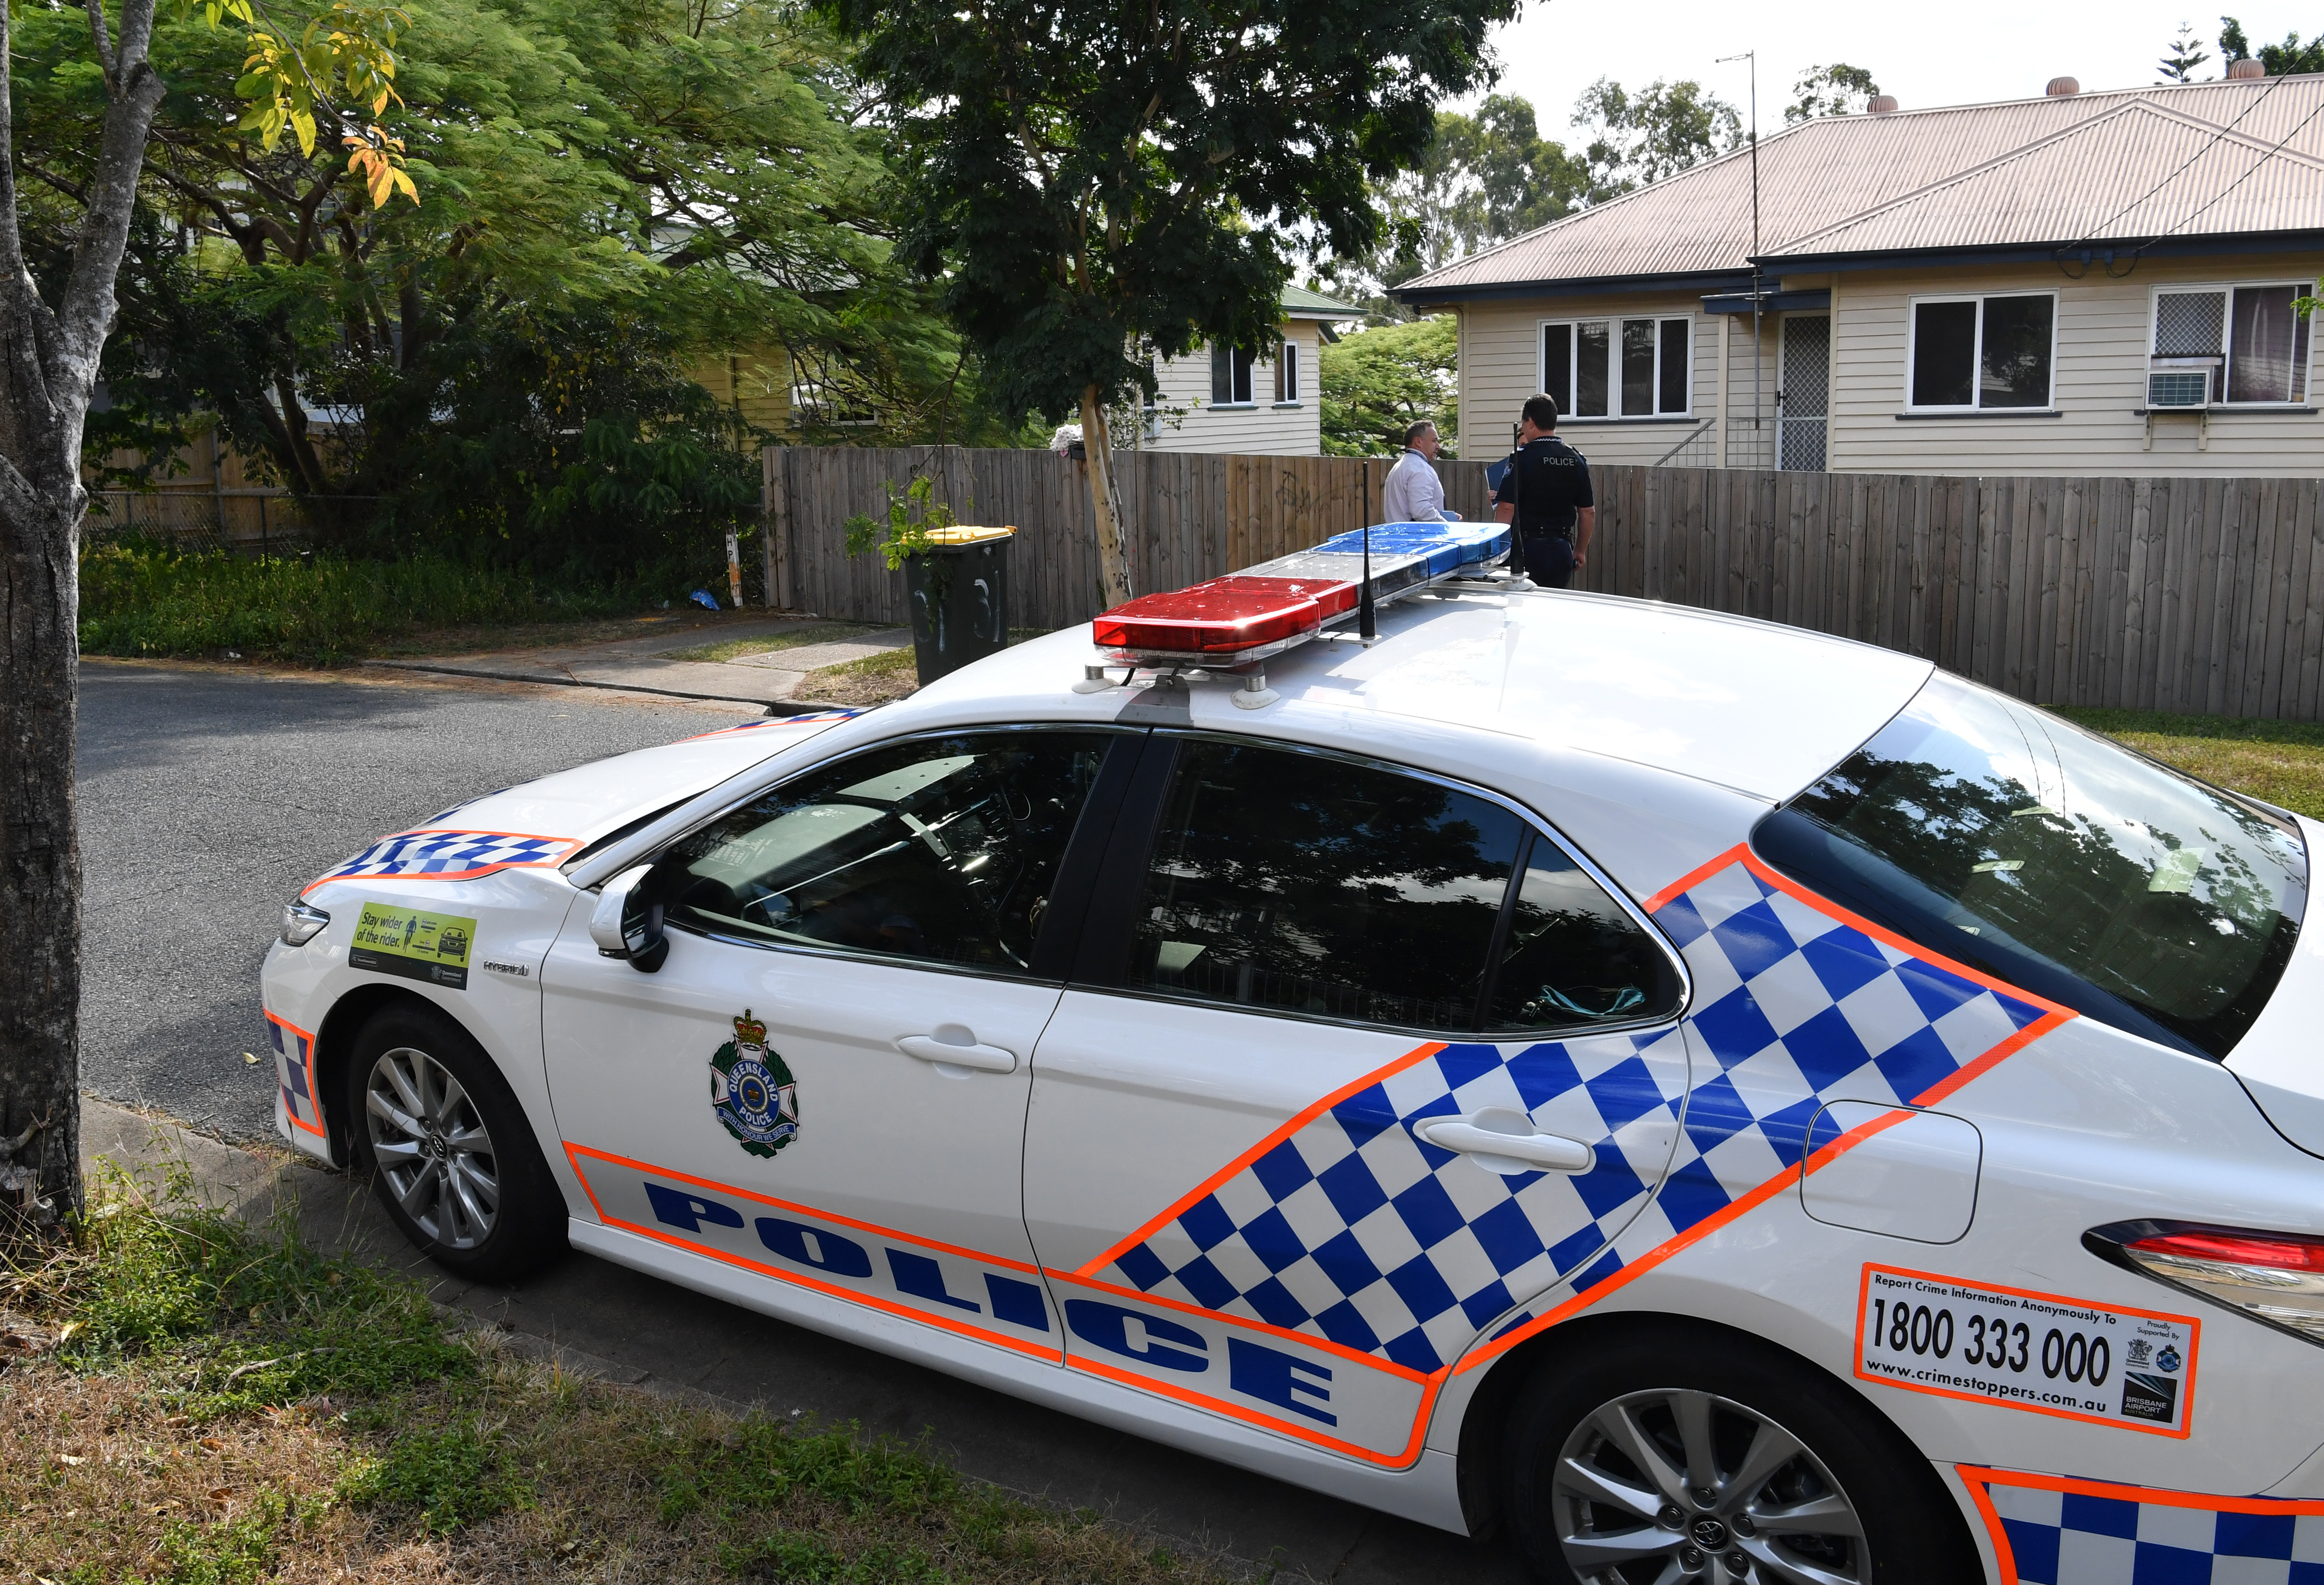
1549, 559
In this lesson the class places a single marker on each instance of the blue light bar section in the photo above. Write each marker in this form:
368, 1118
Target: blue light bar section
1392, 572
1444, 548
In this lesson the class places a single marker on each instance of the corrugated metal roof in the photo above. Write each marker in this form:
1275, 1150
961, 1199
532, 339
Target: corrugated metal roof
2099, 167
1314, 305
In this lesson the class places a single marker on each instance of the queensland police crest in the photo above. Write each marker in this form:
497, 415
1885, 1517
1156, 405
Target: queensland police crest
752, 1091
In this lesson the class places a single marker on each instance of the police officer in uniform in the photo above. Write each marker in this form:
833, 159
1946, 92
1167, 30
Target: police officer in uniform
1546, 493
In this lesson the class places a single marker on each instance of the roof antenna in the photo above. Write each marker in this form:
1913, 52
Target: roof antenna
1367, 613
1758, 295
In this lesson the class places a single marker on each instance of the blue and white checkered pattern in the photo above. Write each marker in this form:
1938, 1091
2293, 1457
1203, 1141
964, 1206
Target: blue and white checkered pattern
1350, 1228
293, 1070
1353, 1229
450, 854
1797, 1008
2069, 1538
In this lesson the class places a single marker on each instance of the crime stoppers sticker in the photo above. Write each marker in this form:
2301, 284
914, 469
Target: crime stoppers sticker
434, 947
2053, 1355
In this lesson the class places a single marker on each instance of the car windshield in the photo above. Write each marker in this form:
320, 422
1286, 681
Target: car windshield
2000, 836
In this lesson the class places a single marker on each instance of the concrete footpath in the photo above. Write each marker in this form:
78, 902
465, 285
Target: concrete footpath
777, 678
608, 1322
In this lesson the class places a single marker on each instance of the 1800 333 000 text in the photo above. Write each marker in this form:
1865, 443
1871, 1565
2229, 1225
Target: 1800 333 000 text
2043, 1352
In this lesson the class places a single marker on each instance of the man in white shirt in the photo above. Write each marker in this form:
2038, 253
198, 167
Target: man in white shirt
1414, 493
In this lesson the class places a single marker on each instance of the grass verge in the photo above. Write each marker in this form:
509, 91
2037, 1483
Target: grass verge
191, 1400
2281, 762
139, 600
813, 632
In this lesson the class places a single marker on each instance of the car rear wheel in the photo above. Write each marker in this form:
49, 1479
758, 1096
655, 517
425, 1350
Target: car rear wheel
1675, 1453
452, 1156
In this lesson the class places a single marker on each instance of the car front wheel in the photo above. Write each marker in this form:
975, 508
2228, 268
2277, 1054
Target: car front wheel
1675, 1453
452, 1156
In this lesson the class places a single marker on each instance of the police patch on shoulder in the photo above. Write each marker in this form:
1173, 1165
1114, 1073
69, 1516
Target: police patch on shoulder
752, 1092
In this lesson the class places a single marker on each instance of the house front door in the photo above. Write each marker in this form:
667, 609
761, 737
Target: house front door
1802, 403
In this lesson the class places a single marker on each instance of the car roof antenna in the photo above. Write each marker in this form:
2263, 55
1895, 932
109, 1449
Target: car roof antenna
1367, 613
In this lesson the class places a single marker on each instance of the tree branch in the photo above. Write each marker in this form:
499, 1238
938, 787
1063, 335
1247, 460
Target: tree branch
104, 40
134, 92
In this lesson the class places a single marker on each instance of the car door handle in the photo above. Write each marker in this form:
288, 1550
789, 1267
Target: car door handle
1497, 1148
955, 1061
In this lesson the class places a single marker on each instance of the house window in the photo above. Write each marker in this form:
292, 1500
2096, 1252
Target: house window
1287, 372
1983, 351
1229, 376
1619, 368
2228, 344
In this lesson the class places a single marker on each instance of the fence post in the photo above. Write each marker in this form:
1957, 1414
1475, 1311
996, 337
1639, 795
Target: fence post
768, 524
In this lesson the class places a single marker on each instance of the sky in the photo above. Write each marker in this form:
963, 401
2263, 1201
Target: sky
1964, 53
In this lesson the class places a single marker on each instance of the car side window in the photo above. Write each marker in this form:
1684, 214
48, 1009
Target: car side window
1570, 956
941, 850
1305, 884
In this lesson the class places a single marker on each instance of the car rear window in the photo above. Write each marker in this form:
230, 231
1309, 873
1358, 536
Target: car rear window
2001, 837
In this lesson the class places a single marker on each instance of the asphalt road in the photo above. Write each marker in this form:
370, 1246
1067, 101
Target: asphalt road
208, 796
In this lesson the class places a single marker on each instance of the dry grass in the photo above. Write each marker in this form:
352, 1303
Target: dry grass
168, 1416
873, 680
2281, 762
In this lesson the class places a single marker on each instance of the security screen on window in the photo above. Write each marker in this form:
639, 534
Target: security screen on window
2249, 335
1987, 352
1998, 835
1299, 883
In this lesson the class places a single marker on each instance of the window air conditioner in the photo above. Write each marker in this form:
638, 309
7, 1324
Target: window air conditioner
2179, 387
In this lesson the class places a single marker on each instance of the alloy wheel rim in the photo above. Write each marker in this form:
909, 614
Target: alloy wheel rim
1677, 1486
433, 1148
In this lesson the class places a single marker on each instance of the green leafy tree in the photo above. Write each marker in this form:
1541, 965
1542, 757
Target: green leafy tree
1090, 181
1377, 382
696, 168
57, 308
1658, 131
2288, 59
1838, 89
2186, 53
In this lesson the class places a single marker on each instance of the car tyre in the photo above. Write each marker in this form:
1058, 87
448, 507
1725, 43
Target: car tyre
451, 1154
1606, 1462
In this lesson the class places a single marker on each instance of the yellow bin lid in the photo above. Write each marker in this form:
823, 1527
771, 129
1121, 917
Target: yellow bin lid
966, 535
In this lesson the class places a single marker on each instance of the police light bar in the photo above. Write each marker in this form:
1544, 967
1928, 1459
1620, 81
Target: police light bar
1225, 621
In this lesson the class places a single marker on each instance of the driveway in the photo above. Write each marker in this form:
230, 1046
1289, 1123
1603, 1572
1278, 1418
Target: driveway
209, 795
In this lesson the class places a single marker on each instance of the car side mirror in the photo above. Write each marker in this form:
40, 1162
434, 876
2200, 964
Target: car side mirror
627, 924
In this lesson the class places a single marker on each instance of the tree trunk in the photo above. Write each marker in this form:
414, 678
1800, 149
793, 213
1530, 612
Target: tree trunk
39, 861
1105, 503
48, 374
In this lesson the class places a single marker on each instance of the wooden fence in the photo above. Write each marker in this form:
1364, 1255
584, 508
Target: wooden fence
2203, 596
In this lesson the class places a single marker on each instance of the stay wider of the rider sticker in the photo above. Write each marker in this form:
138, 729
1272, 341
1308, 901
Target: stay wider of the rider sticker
434, 947
2053, 1355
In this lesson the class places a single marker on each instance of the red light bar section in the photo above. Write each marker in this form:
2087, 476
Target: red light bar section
1222, 616
2281, 1251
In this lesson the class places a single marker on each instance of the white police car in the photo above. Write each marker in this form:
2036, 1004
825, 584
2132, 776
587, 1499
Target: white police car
1729, 1103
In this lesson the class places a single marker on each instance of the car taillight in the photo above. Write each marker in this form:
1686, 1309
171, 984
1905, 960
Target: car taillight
2276, 1277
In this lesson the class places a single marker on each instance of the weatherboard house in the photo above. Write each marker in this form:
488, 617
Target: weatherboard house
1221, 399
2100, 283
